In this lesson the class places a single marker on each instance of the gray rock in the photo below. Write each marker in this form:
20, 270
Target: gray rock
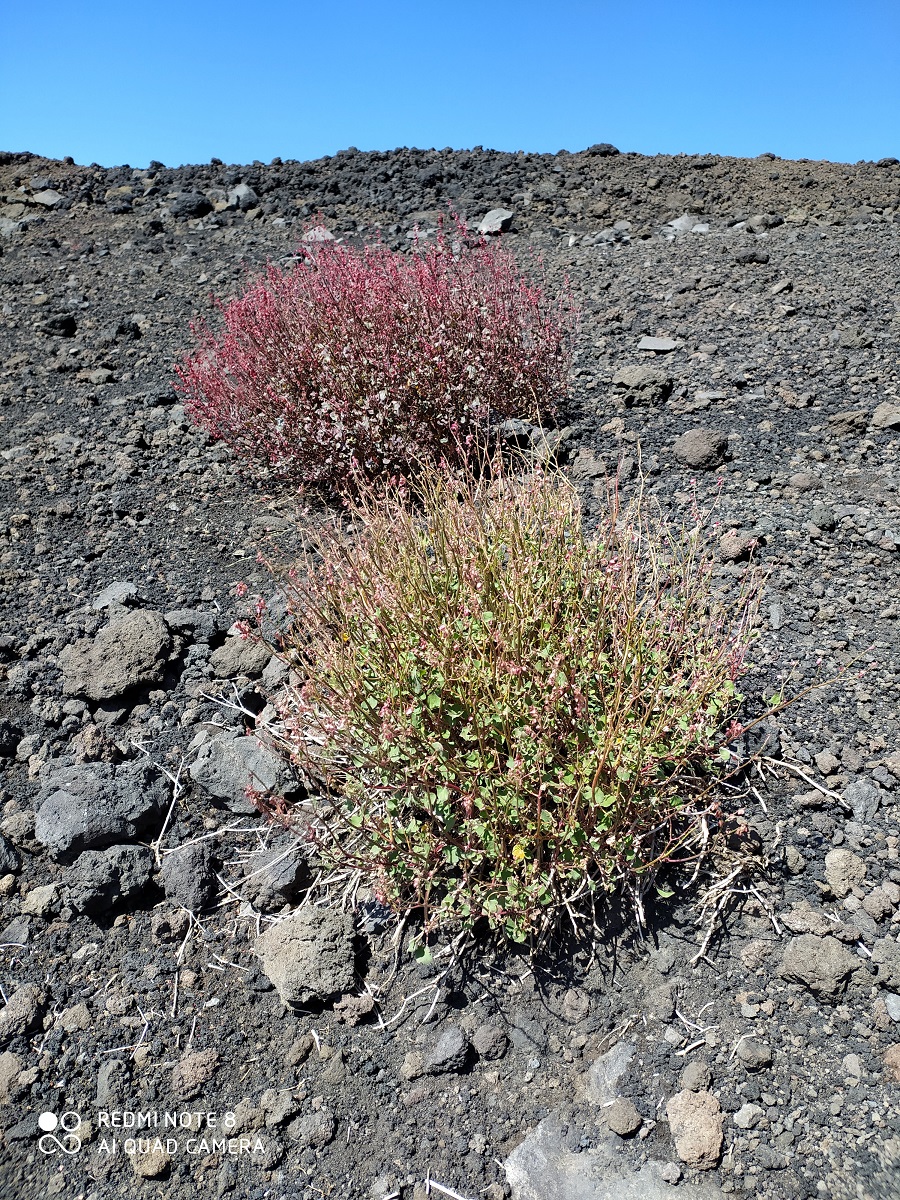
120, 592
274, 875
542, 1168
701, 449
820, 963
97, 804
49, 198
886, 416
760, 222
827, 762
239, 656
449, 1053
190, 204
696, 1076
188, 876
600, 1082
748, 1116
113, 1081
746, 257
844, 870
228, 765
314, 1130
753, 1054
21, 1013
892, 1004
642, 384
128, 653
10, 737
623, 1118
17, 932
661, 1002
309, 955
191, 623
9, 858
863, 798
242, 196
886, 957
318, 234
490, 1042
661, 345
99, 878
498, 220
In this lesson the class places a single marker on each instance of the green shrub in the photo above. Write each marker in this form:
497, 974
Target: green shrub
508, 713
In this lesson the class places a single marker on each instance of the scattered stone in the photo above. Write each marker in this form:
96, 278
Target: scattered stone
844, 870
188, 205
242, 197
78, 1016
188, 876
748, 1116
696, 1076
273, 876
864, 799
40, 901
886, 416
152, 1163
599, 1084
892, 1062
827, 762
886, 957
119, 593
701, 449
21, 1013
128, 653
642, 384
662, 345
87, 806
753, 1054
623, 1118
10, 1066
352, 1010
735, 546
309, 955
194, 1070
820, 963
450, 1053
239, 656
490, 1042
228, 765
498, 220
314, 1130
100, 878
695, 1119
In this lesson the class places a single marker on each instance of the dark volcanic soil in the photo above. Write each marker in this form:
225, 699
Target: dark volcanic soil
128, 921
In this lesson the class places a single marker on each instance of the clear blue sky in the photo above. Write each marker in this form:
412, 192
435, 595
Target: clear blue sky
184, 80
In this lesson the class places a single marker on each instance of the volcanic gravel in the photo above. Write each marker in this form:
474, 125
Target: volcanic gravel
737, 349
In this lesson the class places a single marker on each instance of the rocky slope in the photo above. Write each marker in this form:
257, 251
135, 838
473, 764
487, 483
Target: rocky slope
748, 1046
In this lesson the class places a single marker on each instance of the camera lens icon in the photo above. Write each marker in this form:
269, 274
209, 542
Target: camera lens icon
68, 1123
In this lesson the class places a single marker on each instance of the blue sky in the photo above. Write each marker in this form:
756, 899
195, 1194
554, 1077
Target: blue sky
184, 81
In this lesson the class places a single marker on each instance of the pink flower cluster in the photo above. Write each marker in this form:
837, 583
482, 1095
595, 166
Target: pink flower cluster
370, 360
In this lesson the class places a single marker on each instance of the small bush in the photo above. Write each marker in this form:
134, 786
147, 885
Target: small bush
363, 361
507, 713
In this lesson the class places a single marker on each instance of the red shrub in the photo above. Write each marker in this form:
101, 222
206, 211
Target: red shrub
368, 359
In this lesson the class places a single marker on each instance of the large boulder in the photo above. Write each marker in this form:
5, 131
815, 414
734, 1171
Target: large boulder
820, 963
309, 956
128, 653
93, 805
227, 765
642, 384
701, 449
